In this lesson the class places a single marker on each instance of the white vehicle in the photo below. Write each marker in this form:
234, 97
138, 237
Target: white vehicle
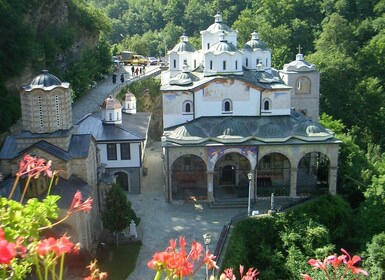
152, 60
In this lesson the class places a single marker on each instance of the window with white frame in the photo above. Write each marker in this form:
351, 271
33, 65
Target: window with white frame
125, 151
266, 104
111, 152
187, 107
227, 106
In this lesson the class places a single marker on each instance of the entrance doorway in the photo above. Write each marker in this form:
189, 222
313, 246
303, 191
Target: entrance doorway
228, 175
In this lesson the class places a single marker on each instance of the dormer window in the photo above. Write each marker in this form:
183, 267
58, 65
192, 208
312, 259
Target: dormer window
187, 107
211, 65
247, 62
174, 63
227, 106
208, 45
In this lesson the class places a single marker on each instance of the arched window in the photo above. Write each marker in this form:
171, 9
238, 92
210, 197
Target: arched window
247, 62
303, 85
227, 106
224, 64
266, 104
187, 107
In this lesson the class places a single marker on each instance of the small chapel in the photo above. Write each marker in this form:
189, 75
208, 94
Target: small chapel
47, 132
235, 127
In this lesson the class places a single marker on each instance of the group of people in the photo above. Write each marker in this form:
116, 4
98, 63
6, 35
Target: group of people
138, 70
114, 76
135, 71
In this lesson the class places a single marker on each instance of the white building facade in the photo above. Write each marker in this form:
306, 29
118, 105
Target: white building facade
227, 113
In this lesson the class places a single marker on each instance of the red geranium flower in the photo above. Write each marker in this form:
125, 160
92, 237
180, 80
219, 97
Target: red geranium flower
7, 249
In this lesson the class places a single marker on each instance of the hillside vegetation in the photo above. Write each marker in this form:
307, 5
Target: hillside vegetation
74, 39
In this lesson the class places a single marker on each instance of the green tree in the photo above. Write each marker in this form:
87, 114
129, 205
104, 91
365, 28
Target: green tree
374, 257
198, 16
117, 213
337, 36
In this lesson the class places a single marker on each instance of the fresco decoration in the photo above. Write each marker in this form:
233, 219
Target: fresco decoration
214, 153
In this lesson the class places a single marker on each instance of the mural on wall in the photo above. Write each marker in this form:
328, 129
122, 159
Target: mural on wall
214, 153
218, 90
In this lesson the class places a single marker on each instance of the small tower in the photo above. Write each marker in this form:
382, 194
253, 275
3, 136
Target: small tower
46, 104
111, 111
304, 78
256, 53
129, 103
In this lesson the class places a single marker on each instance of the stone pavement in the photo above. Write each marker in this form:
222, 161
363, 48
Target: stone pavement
162, 221
91, 102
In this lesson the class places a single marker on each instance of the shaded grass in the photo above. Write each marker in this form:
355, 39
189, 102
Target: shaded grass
123, 261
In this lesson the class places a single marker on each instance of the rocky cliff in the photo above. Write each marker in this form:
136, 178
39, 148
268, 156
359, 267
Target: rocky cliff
49, 18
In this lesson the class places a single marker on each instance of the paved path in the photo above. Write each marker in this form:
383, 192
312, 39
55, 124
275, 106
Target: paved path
162, 221
90, 102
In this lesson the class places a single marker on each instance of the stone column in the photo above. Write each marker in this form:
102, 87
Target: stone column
293, 182
333, 180
210, 185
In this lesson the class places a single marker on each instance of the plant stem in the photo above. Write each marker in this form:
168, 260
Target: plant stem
38, 271
14, 187
25, 188
61, 267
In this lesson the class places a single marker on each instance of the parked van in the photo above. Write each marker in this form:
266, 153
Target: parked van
131, 58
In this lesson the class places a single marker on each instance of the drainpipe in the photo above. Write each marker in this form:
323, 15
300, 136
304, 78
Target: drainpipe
168, 187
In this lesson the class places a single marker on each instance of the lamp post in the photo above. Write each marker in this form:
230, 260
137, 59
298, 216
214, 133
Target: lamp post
249, 176
207, 240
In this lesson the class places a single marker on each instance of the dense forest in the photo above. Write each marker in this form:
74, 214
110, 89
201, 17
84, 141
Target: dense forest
344, 38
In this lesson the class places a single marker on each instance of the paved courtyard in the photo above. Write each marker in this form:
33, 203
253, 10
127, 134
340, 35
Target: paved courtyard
162, 221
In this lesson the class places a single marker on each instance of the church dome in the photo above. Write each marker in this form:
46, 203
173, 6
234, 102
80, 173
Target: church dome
256, 43
230, 127
310, 128
129, 97
111, 103
272, 130
218, 25
45, 79
182, 79
188, 131
183, 45
223, 45
299, 65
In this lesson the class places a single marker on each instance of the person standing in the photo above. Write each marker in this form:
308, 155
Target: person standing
114, 78
133, 71
122, 78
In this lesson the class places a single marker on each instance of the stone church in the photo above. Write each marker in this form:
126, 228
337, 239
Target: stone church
234, 126
47, 132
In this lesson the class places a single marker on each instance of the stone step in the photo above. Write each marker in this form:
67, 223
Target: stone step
229, 204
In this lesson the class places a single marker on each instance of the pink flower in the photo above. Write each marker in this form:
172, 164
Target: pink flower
176, 262
7, 249
351, 262
33, 167
79, 205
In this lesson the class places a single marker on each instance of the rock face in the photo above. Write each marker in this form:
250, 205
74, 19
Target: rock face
46, 17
